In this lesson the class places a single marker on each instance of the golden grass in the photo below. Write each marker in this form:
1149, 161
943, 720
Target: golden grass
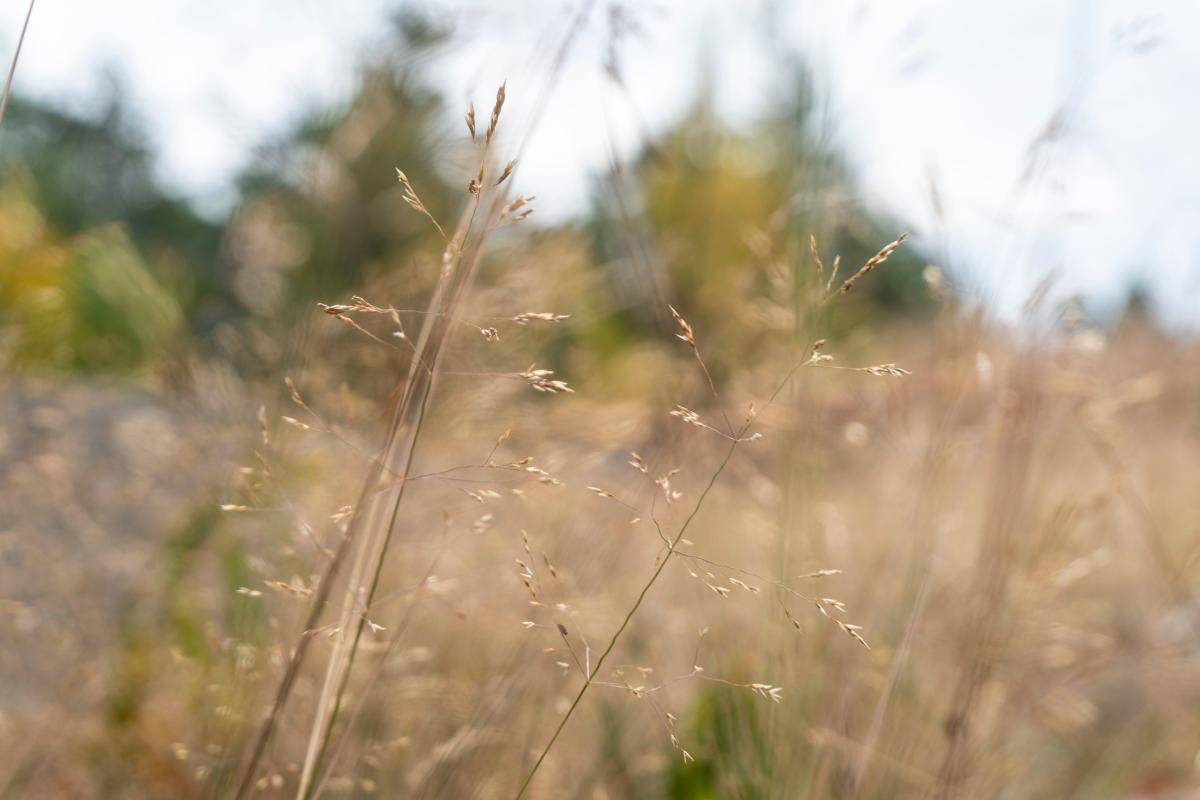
974, 576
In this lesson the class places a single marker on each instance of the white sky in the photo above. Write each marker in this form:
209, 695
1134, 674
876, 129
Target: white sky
923, 92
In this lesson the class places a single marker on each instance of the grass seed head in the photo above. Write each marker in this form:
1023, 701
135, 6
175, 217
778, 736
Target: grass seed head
491, 131
873, 262
508, 168
685, 334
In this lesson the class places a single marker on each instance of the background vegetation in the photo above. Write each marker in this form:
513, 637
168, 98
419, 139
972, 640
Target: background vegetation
973, 575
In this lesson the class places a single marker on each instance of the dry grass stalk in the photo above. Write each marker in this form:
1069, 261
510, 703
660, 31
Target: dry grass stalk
540, 379
542, 316
12, 70
413, 200
515, 206
460, 258
833, 273
495, 113
873, 262
508, 169
686, 334
686, 415
407, 415
884, 369
816, 257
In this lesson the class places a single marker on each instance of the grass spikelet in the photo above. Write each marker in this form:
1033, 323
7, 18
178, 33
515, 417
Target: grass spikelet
685, 332
873, 262
540, 379
508, 170
542, 316
816, 257
885, 370
514, 207
496, 113
414, 201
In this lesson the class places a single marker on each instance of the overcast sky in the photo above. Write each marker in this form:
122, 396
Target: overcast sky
1016, 139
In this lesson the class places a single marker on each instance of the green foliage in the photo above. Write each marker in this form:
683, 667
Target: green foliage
100, 265
333, 182
120, 314
86, 172
182, 548
321, 216
89, 303
688, 226
730, 753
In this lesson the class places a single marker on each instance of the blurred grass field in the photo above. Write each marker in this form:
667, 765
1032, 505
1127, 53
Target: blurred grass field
778, 539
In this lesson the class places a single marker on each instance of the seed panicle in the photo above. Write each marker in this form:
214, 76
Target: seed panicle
873, 262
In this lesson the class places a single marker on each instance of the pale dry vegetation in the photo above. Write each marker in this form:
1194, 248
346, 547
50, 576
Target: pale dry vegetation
462, 556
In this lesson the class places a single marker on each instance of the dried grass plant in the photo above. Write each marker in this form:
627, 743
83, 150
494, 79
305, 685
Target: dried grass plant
938, 559
667, 502
370, 524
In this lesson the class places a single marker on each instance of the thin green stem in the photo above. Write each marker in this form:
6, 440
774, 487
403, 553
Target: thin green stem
628, 617
737, 439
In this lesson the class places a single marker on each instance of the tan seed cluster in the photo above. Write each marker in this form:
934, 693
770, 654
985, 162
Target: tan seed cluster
685, 334
413, 200
542, 316
687, 415
873, 262
496, 113
540, 379
514, 207
508, 169
885, 369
